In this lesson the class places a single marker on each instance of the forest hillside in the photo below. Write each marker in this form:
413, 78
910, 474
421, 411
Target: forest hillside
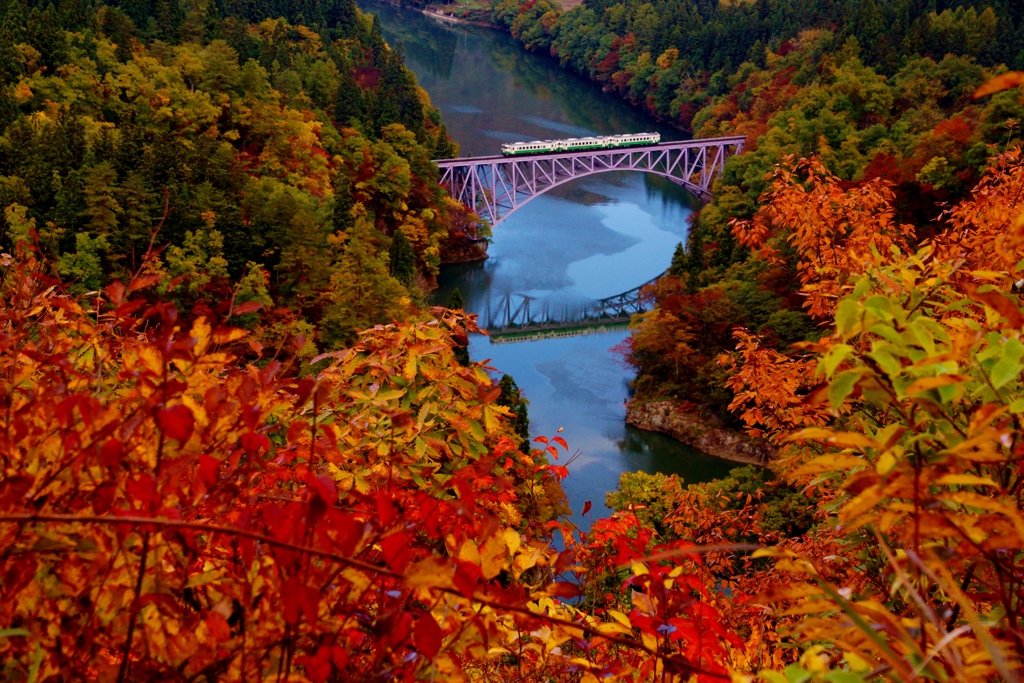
873, 90
273, 157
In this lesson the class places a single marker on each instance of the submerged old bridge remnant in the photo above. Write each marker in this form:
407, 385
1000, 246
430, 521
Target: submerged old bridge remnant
496, 186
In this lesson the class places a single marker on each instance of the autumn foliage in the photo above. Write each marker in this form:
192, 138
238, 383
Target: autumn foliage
168, 511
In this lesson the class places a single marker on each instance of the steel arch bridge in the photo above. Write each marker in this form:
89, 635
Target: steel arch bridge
497, 186
507, 319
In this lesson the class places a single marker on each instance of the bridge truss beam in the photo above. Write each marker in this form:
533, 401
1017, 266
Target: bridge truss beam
497, 186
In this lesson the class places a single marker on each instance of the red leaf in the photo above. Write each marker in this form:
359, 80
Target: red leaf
247, 307
396, 551
126, 309
218, 626
255, 443
143, 282
541, 439
339, 656
111, 452
561, 442
103, 496
386, 511
564, 589
300, 601
115, 290
467, 576
428, 636
303, 391
142, 490
325, 489
586, 507
318, 667
13, 490
176, 422
208, 467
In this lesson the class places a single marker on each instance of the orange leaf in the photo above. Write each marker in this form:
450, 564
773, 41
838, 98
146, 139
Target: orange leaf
1006, 81
247, 307
925, 383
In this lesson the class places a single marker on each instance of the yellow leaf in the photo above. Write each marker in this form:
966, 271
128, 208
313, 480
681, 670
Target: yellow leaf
867, 499
638, 568
202, 333
430, 572
650, 642
493, 556
965, 480
620, 617
410, 368
810, 434
513, 540
611, 627
228, 335
852, 440
830, 463
151, 358
886, 462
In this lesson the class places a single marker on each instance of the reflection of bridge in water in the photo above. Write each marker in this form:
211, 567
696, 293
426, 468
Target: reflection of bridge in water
518, 317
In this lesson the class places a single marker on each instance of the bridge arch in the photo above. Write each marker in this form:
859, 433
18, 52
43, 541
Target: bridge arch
495, 187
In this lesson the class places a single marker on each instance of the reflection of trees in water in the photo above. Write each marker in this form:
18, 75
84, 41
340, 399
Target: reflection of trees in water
583, 102
472, 279
426, 42
670, 194
654, 452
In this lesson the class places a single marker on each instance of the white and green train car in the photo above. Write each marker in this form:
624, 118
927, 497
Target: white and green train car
580, 144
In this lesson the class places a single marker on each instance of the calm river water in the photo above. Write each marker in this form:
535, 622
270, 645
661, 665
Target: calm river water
589, 239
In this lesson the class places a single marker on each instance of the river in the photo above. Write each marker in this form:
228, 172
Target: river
592, 238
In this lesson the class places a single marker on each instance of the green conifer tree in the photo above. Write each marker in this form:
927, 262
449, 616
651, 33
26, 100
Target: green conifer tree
678, 266
403, 259
513, 399
461, 352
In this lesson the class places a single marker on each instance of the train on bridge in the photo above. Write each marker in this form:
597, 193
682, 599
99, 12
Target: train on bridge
579, 144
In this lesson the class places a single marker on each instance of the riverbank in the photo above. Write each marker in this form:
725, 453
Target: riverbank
666, 417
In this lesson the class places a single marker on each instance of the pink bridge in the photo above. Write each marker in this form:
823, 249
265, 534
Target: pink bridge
496, 186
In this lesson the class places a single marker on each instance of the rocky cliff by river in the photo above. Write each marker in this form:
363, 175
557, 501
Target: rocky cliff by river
668, 418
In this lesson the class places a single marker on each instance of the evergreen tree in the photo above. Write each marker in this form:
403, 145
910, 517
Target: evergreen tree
340, 16
513, 399
377, 45
46, 35
678, 266
213, 22
348, 105
403, 259
461, 352
343, 202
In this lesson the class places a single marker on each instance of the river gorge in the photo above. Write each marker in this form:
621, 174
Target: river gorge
591, 238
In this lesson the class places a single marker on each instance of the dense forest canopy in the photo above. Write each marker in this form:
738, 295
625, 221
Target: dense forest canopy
269, 152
